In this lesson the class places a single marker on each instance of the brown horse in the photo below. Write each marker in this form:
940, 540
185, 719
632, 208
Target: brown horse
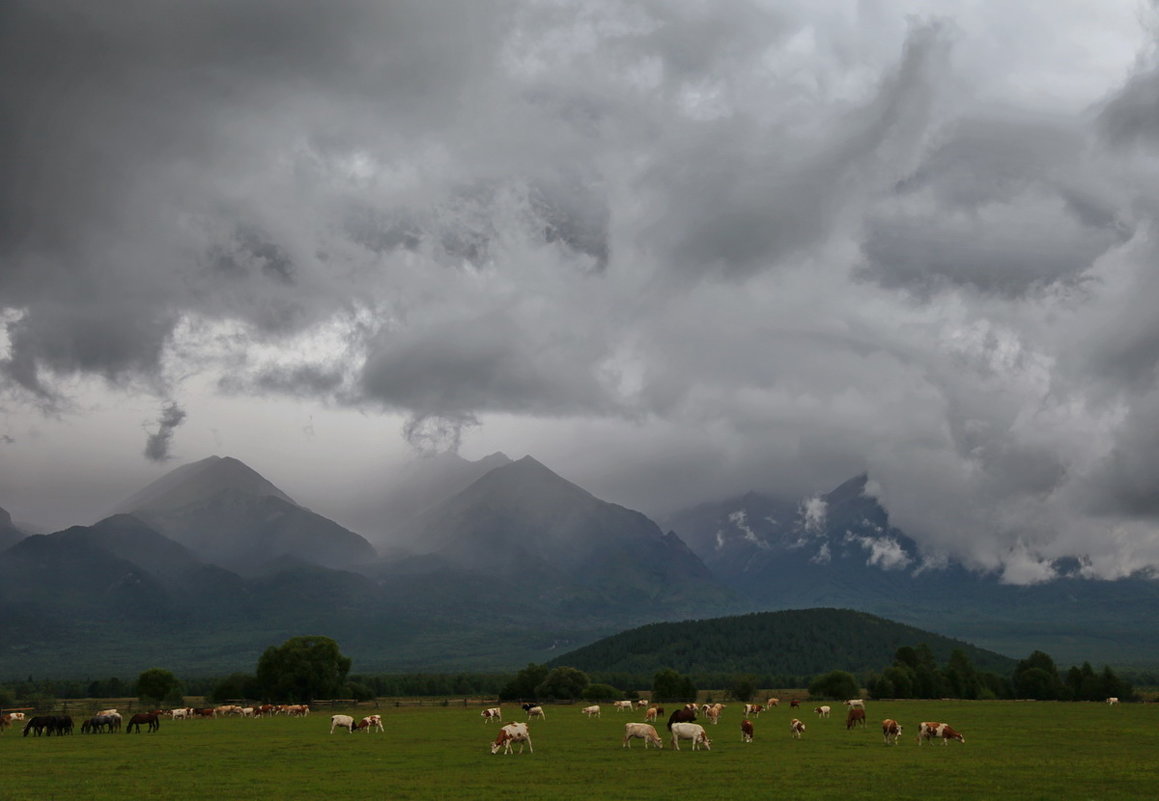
149, 718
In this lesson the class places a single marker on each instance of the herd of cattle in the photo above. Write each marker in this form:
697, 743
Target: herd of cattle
682, 725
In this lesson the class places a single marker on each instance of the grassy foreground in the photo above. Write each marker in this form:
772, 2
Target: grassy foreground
1013, 750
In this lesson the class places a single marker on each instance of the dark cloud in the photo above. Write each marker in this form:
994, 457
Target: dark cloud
157, 444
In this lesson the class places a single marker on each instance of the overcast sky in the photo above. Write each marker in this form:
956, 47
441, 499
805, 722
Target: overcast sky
674, 250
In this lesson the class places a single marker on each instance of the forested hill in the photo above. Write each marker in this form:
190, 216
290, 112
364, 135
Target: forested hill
793, 642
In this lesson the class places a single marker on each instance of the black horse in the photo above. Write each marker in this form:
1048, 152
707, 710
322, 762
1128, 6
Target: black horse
149, 718
48, 725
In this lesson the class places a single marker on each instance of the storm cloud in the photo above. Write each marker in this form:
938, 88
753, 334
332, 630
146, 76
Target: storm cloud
675, 250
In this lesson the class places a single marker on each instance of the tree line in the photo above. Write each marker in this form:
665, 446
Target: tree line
304, 669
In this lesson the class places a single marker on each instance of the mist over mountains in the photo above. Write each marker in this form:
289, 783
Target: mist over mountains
492, 564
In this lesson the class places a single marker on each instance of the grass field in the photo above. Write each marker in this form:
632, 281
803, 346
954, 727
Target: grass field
1013, 750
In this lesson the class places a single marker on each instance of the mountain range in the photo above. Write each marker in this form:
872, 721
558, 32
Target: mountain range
489, 565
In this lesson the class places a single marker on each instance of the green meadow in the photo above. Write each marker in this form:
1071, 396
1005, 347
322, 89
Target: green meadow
1013, 750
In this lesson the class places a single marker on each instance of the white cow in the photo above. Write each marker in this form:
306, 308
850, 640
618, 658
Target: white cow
1112, 701
592, 711
623, 706
644, 732
341, 722
690, 731
855, 703
509, 734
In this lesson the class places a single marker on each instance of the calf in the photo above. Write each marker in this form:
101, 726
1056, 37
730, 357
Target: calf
856, 717
796, 728
510, 734
651, 714
690, 731
644, 732
342, 722
943, 731
746, 731
890, 730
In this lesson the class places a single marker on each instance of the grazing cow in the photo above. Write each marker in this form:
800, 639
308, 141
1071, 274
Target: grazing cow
890, 730
491, 713
510, 734
682, 715
342, 722
181, 713
856, 717
713, 713
1112, 701
622, 706
794, 703
943, 731
690, 731
796, 728
746, 731
641, 703
16, 715
535, 712
650, 715
773, 702
205, 712
371, 722
644, 732
855, 703
150, 719
248, 712
592, 711
753, 709
298, 710
823, 711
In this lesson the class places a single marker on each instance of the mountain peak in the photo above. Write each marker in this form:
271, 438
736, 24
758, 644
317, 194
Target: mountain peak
199, 481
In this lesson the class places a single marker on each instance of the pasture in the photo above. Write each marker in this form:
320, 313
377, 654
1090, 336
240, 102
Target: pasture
1013, 750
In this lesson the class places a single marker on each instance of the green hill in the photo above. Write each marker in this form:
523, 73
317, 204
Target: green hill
794, 642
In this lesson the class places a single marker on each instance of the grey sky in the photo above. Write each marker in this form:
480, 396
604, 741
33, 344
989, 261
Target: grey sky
674, 250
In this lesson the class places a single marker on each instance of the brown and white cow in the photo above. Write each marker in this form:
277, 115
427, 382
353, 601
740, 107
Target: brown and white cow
754, 710
535, 712
642, 731
890, 730
370, 723
491, 714
942, 731
796, 728
823, 711
746, 731
509, 735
